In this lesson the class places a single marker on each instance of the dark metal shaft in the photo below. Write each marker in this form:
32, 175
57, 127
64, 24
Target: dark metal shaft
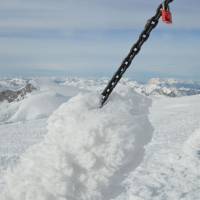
150, 25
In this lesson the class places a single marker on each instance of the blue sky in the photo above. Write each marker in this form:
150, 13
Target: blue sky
91, 37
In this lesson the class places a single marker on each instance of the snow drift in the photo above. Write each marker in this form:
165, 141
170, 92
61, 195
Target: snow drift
87, 152
34, 106
37, 106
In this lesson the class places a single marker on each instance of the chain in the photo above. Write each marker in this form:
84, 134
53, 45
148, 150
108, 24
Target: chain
150, 25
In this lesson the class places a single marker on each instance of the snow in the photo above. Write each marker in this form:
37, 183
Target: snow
38, 104
23, 123
35, 106
15, 138
57, 144
85, 151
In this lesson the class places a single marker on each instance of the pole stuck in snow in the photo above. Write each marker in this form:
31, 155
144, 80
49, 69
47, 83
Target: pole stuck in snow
162, 10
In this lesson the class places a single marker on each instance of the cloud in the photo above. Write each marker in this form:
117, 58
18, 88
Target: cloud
93, 36
79, 15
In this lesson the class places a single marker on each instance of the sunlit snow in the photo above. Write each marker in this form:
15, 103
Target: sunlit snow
57, 144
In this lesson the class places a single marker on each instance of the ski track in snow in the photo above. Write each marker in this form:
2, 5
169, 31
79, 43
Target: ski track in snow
87, 151
171, 167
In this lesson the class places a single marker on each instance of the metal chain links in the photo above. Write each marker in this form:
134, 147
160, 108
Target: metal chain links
150, 25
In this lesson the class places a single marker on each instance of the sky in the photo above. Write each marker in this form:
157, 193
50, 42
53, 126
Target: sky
90, 38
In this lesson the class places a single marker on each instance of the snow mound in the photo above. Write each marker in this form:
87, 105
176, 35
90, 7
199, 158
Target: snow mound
87, 152
37, 106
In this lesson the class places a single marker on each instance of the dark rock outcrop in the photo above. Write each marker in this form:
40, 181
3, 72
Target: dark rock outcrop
10, 95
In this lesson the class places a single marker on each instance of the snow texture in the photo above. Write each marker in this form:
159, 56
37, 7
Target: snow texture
87, 151
100, 154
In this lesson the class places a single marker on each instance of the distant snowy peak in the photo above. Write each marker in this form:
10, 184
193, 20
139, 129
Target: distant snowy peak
175, 83
15, 89
171, 87
155, 86
14, 84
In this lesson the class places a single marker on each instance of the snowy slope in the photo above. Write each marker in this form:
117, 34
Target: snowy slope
171, 167
86, 152
38, 104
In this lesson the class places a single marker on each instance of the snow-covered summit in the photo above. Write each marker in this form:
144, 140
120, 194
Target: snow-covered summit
15, 89
86, 151
15, 84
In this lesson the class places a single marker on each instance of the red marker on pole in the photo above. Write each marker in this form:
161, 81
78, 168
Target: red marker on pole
166, 14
